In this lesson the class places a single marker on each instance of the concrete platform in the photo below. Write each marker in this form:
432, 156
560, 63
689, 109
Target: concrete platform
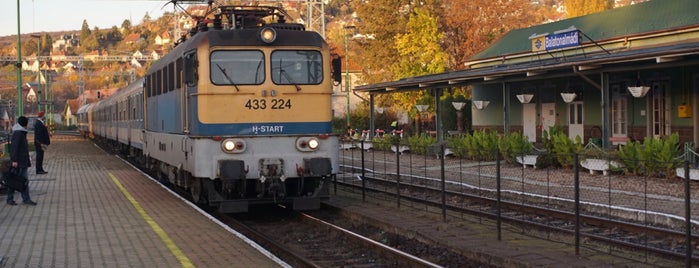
94, 210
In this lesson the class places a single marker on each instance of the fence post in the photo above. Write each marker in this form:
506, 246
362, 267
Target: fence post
398, 172
340, 154
499, 197
444, 183
363, 173
688, 216
576, 176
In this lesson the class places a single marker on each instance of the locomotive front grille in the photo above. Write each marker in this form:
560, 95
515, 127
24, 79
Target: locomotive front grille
271, 167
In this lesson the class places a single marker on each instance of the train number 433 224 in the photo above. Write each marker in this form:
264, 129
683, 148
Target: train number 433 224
263, 104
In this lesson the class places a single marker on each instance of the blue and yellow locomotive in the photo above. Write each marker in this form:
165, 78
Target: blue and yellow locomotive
238, 114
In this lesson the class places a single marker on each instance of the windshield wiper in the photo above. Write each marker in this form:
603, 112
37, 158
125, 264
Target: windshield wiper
257, 71
223, 71
286, 75
288, 78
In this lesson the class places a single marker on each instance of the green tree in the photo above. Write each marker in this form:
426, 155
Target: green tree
114, 35
87, 42
126, 26
85, 31
577, 8
45, 44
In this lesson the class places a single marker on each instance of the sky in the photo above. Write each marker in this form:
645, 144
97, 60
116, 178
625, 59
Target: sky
60, 15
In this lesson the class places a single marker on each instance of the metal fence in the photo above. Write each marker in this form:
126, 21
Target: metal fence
594, 188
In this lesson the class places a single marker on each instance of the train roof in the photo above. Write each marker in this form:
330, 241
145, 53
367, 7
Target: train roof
84, 108
241, 27
135, 85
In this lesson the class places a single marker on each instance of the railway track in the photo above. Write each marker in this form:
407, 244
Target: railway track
559, 218
303, 240
307, 241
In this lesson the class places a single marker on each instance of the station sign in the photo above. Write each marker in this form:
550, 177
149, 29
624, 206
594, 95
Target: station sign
556, 40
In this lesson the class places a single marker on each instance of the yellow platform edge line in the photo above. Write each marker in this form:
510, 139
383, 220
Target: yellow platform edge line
181, 257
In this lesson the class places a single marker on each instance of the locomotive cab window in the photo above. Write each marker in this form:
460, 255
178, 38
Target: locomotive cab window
239, 67
297, 67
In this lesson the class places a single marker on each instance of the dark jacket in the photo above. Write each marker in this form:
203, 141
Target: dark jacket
41, 134
19, 147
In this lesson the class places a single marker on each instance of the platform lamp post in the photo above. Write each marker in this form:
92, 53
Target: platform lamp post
49, 97
20, 111
459, 106
347, 75
420, 109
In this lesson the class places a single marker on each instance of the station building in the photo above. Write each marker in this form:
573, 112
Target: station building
614, 76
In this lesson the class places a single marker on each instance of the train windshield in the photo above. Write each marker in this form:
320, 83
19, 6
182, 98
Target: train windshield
297, 67
236, 67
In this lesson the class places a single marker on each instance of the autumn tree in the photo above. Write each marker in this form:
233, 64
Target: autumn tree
577, 8
383, 20
419, 48
419, 53
472, 25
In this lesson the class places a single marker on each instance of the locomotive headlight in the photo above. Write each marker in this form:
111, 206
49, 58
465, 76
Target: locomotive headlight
307, 144
233, 146
313, 143
268, 35
229, 145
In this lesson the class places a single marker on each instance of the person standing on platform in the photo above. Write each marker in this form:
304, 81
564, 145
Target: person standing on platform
19, 155
41, 142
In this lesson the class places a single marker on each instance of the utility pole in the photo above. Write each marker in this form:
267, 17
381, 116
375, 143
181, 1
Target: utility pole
19, 66
38, 71
347, 75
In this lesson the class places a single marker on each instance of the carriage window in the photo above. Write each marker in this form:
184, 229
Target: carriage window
158, 82
170, 76
237, 67
178, 73
294, 67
